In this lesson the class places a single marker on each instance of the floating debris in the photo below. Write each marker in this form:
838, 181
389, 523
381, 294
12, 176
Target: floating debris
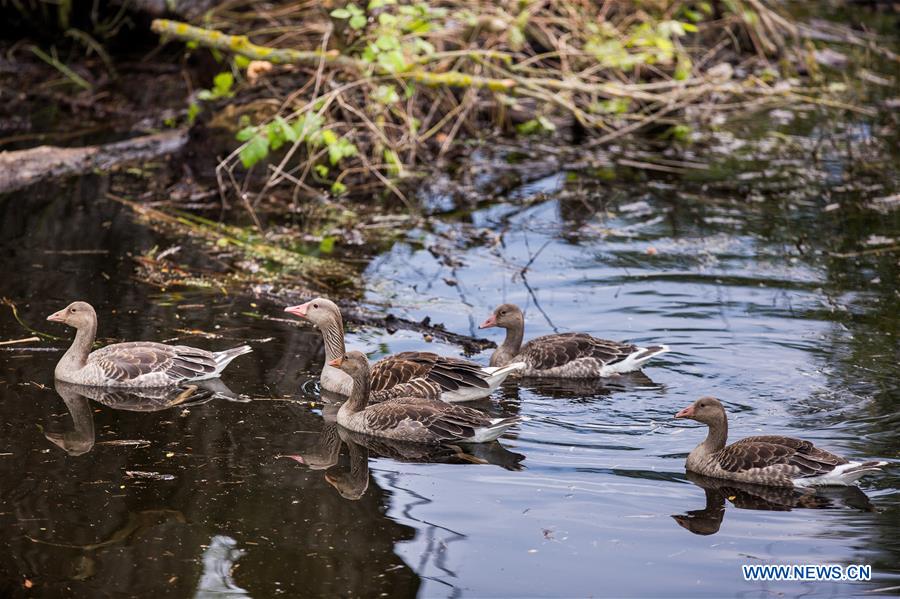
148, 475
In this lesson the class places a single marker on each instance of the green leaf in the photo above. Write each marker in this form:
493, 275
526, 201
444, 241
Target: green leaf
340, 149
528, 127
326, 246
286, 130
321, 170
386, 19
392, 61
329, 137
340, 13
538, 125
612, 106
307, 127
546, 124
683, 68
241, 62
222, 84
276, 137
337, 188
254, 150
193, 110
395, 167
357, 21
387, 42
386, 94
245, 133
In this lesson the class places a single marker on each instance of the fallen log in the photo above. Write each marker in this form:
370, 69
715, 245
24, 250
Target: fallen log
21, 168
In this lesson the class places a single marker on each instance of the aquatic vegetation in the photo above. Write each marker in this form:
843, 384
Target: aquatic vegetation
388, 87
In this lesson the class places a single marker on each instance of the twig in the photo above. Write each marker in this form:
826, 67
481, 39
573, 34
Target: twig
25, 340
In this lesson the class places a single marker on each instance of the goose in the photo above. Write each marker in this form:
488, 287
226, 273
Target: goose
413, 419
563, 355
765, 460
407, 374
133, 364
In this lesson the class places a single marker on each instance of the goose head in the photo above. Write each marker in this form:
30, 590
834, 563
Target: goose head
320, 311
707, 410
505, 316
78, 315
354, 363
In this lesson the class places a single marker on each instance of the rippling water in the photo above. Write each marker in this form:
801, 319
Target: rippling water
745, 277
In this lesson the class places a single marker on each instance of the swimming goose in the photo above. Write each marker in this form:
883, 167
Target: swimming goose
414, 419
407, 374
766, 460
564, 355
134, 364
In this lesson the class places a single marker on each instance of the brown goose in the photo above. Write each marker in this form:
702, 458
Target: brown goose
414, 419
765, 460
134, 364
407, 374
564, 355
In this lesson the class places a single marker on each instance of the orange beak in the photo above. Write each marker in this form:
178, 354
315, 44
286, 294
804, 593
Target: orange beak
336, 362
490, 322
299, 311
57, 316
688, 412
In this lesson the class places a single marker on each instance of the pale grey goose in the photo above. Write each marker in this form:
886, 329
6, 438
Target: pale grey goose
133, 364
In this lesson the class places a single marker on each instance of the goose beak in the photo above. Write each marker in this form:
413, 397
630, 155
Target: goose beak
336, 362
688, 412
299, 311
57, 316
490, 322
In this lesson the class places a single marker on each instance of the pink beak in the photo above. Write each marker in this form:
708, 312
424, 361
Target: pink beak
688, 412
57, 316
299, 311
336, 362
490, 322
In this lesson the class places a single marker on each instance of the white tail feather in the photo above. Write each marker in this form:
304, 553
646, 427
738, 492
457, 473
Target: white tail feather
842, 476
490, 433
495, 377
223, 358
635, 361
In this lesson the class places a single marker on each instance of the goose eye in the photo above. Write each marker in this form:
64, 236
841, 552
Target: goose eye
72, 310
315, 305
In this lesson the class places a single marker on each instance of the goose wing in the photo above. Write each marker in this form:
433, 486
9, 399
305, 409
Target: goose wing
450, 374
123, 362
441, 420
780, 455
552, 351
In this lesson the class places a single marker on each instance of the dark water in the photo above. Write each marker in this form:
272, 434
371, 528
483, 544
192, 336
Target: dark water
760, 274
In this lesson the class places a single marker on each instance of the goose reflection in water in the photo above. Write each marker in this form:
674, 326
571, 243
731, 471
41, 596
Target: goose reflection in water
81, 438
580, 390
352, 480
708, 520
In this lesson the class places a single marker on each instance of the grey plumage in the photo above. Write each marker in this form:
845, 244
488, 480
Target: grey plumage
767, 459
563, 355
132, 364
